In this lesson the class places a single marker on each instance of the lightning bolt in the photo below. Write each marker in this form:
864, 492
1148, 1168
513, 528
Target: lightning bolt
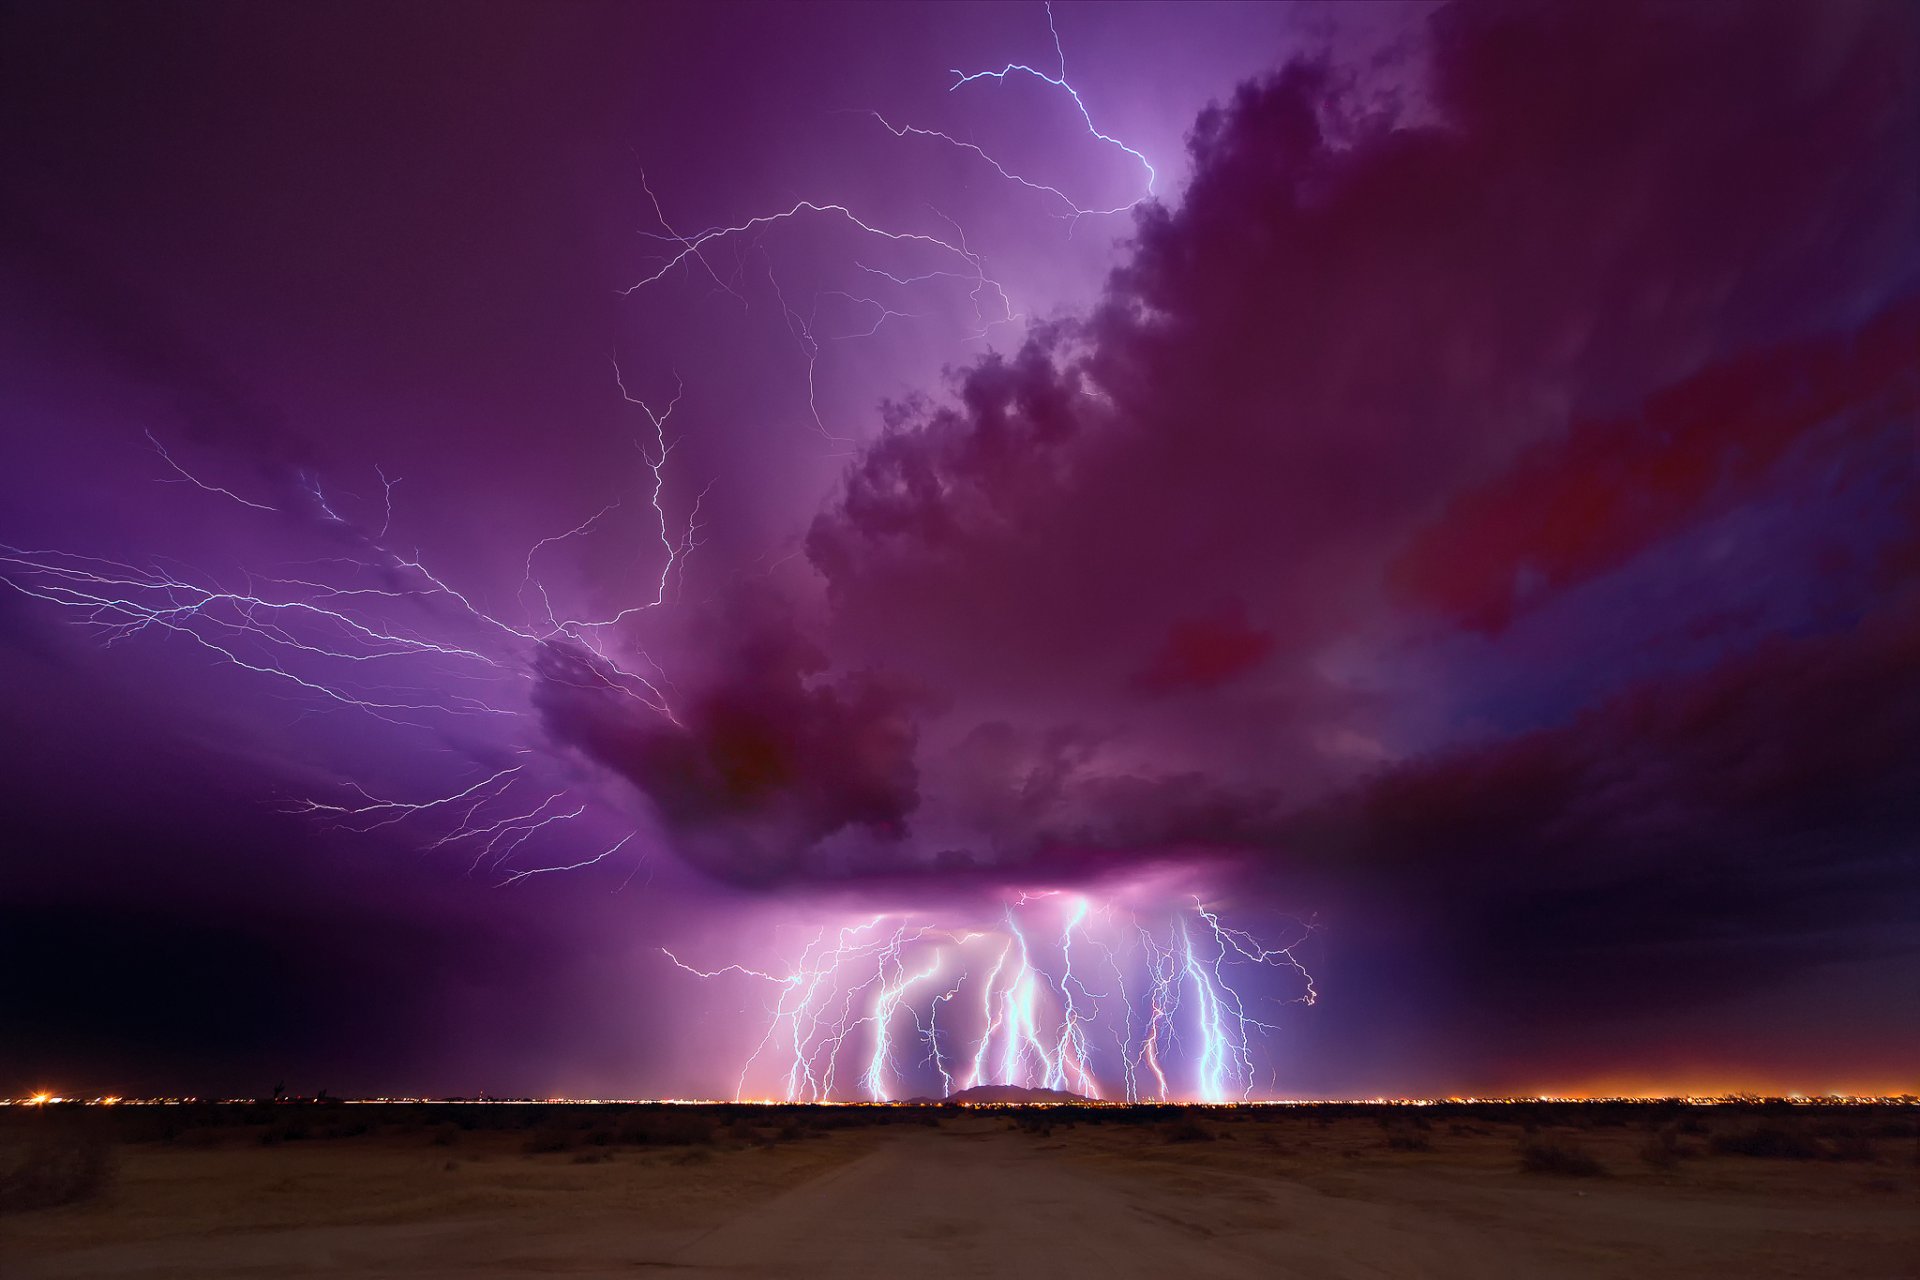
1034, 1022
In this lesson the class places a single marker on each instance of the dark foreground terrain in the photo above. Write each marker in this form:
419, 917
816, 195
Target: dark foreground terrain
1520, 1190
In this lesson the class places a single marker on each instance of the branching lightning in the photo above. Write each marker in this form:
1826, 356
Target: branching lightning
1015, 1014
1107, 1000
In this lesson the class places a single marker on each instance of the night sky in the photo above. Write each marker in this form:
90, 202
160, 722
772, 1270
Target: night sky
1422, 496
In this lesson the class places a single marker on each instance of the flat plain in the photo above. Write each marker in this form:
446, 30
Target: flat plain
1620, 1190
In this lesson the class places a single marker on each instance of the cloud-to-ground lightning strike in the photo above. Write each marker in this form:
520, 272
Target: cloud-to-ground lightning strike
1034, 1023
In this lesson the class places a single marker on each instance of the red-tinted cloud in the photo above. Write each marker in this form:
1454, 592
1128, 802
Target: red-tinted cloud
1206, 652
1571, 508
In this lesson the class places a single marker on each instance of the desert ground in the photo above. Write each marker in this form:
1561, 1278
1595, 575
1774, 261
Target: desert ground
1331, 1192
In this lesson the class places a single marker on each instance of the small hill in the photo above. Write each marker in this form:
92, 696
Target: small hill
1002, 1093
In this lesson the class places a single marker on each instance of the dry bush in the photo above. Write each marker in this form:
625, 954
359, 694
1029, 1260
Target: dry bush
1541, 1154
1664, 1150
1187, 1129
550, 1139
68, 1168
1767, 1142
667, 1128
1656, 1154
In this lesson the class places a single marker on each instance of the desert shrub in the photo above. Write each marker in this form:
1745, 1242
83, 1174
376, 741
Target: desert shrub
1408, 1140
1557, 1155
1037, 1123
743, 1132
1663, 1150
1767, 1142
294, 1128
68, 1168
1187, 1128
667, 1128
684, 1129
1850, 1145
445, 1135
552, 1138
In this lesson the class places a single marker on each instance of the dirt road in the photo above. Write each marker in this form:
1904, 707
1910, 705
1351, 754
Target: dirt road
933, 1204
996, 1204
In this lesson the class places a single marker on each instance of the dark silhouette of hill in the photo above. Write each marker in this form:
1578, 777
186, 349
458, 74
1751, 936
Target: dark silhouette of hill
1012, 1093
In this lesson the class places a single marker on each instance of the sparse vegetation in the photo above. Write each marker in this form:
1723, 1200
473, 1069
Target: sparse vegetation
63, 1168
1664, 1149
550, 1139
1546, 1154
1767, 1142
1187, 1128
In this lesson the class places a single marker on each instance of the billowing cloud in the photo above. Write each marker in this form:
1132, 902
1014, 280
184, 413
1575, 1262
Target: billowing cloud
764, 763
1381, 362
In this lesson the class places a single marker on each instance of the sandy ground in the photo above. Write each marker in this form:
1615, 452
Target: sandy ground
976, 1197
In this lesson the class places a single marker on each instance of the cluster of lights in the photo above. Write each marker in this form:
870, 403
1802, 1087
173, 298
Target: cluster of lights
1694, 1100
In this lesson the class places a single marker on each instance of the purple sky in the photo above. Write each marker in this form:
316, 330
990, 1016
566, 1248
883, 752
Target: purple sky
1460, 527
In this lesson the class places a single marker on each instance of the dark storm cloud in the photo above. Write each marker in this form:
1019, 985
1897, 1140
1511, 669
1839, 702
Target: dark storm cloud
765, 761
1693, 838
1616, 268
1350, 318
1698, 835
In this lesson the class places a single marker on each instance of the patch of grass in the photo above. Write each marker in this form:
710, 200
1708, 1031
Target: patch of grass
1544, 1154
